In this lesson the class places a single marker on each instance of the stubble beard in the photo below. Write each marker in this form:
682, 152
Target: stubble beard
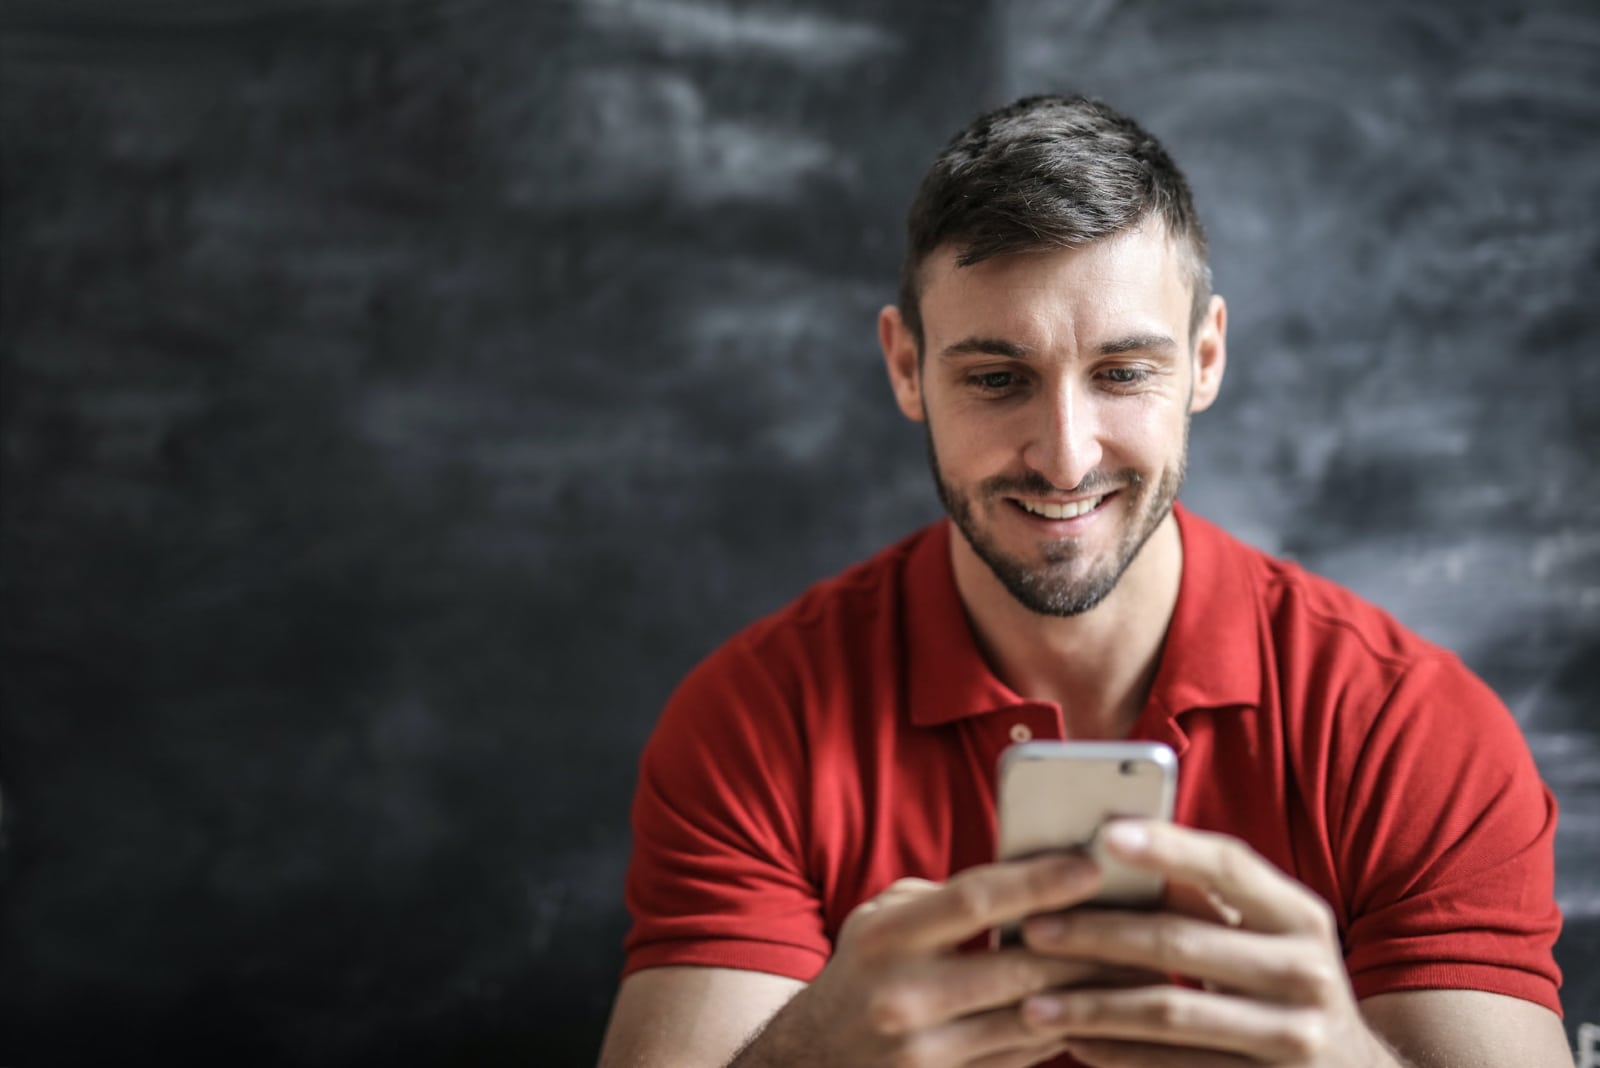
1055, 587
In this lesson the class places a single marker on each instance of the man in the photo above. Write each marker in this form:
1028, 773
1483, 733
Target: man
1360, 873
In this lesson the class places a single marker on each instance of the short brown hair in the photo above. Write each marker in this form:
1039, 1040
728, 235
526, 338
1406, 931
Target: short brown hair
1048, 172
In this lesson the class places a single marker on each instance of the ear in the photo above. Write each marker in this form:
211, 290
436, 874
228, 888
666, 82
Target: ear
1210, 355
902, 362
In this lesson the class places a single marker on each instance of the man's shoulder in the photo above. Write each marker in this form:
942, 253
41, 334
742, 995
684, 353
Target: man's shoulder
863, 597
1298, 603
854, 613
1316, 650
1319, 645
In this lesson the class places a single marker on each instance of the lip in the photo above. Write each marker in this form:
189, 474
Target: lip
1061, 526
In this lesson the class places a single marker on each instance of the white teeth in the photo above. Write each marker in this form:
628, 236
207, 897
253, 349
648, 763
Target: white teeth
1062, 511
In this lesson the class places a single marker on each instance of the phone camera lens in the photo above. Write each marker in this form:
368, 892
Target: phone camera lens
1126, 767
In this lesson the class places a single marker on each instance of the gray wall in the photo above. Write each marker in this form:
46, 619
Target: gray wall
398, 397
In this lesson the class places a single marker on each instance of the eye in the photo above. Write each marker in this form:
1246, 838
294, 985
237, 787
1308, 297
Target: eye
993, 381
1126, 376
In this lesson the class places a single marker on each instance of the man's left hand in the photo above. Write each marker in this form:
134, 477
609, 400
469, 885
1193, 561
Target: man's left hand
1264, 949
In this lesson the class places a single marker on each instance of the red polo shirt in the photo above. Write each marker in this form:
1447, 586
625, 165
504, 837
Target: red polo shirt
852, 738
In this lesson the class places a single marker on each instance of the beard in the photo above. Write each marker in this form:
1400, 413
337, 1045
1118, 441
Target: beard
1063, 583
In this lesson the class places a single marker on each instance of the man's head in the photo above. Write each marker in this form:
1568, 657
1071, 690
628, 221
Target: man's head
1048, 172
1055, 331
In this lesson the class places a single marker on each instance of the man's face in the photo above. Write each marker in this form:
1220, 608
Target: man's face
1057, 388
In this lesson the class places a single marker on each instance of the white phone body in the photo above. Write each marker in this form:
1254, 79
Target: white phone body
1055, 795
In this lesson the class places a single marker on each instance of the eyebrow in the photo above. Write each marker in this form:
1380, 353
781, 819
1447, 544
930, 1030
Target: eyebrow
987, 346
1138, 343
995, 346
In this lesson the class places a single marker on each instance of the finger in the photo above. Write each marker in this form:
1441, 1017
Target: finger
1177, 1016
984, 897
949, 988
1266, 899
1026, 1057
1272, 967
995, 1039
970, 983
1188, 900
1115, 977
898, 891
1101, 1053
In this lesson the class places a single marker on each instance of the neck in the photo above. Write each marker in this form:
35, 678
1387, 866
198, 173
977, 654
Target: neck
1098, 666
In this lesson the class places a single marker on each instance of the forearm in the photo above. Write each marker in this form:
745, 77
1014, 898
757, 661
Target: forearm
786, 1040
1466, 1029
1384, 1055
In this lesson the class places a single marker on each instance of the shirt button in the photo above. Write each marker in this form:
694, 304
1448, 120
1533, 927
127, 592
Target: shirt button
1020, 732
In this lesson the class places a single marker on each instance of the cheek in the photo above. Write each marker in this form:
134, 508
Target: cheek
967, 450
971, 452
958, 423
1139, 427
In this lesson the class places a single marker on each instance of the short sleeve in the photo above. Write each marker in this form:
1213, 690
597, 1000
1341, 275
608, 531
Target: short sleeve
718, 874
1448, 846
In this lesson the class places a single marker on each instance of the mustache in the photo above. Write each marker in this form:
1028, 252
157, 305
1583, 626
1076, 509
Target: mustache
1036, 485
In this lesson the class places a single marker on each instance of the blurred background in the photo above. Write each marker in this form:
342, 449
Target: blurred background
399, 396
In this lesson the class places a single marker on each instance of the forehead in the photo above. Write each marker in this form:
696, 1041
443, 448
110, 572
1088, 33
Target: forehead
1130, 281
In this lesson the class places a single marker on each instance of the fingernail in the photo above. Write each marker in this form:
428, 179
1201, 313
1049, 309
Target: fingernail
1045, 929
1127, 836
1042, 1009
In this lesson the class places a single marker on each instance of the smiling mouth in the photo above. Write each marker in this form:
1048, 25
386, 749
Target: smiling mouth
1069, 510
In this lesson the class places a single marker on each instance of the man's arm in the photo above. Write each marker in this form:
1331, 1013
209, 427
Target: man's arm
690, 1017
1467, 1029
1273, 988
896, 991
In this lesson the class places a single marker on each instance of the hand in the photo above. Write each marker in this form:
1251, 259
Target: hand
1264, 948
898, 992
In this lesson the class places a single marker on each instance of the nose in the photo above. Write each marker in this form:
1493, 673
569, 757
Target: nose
1064, 444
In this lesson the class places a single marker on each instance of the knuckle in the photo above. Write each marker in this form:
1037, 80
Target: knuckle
1168, 1012
1236, 863
1313, 980
1319, 918
972, 900
865, 935
921, 1051
859, 919
1174, 947
892, 1012
1304, 1037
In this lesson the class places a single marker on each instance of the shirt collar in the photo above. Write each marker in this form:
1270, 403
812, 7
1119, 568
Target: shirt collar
948, 678
1211, 658
1213, 651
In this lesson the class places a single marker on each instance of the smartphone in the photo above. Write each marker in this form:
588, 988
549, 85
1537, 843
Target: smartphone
1055, 795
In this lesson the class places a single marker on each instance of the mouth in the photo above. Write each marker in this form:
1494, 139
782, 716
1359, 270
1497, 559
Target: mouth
1058, 510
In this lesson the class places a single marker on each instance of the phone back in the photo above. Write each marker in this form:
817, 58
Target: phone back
1055, 795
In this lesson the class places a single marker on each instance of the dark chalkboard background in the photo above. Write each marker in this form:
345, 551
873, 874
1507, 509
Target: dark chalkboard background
399, 397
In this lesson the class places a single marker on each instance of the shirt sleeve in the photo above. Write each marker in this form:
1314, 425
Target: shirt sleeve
718, 874
1448, 846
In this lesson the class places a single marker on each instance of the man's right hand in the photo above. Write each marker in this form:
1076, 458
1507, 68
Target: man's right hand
898, 992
